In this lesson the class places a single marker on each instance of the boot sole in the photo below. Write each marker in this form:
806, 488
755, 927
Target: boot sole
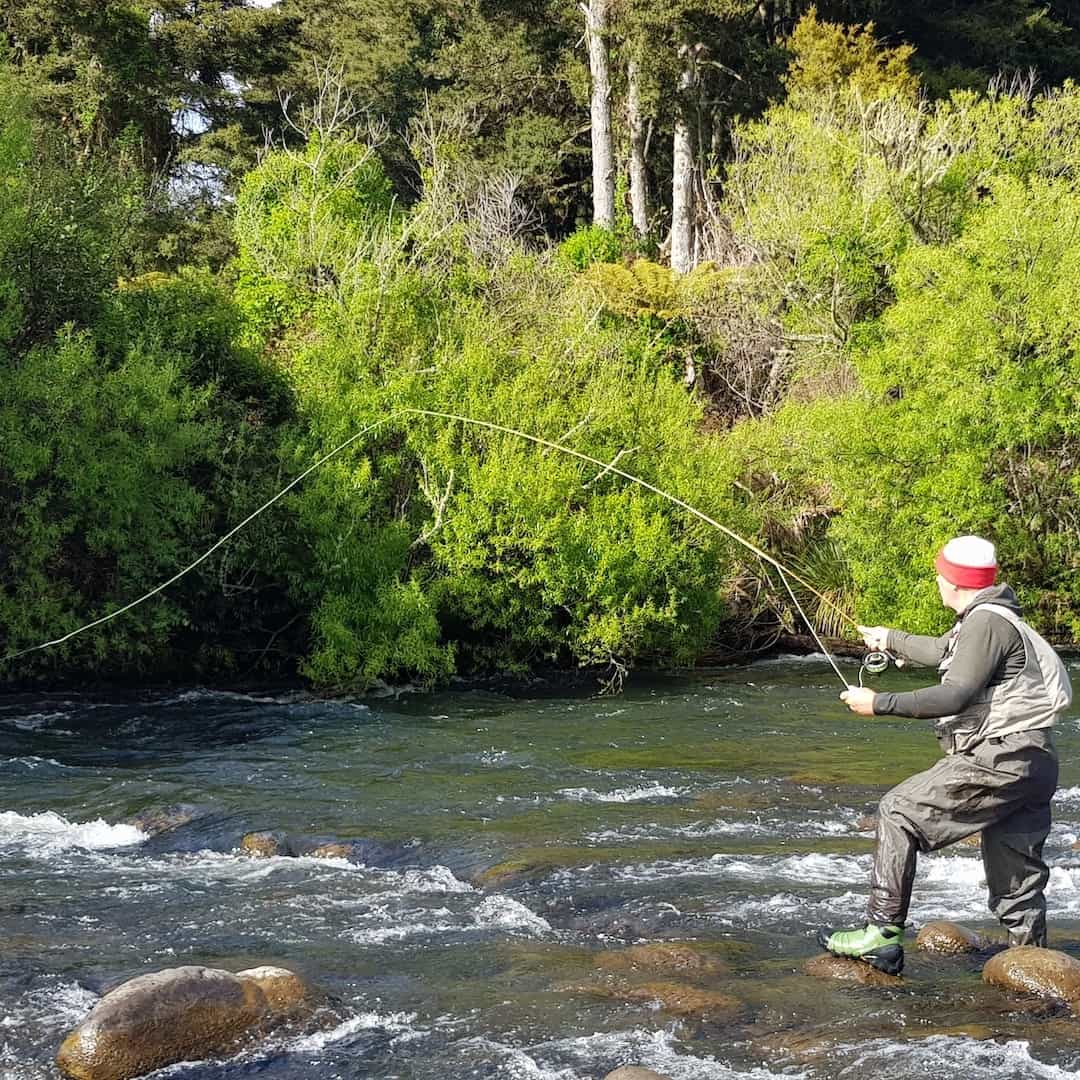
889, 959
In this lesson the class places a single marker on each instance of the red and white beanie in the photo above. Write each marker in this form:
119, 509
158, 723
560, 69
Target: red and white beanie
968, 562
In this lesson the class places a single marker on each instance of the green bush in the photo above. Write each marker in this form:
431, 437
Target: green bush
436, 543
590, 244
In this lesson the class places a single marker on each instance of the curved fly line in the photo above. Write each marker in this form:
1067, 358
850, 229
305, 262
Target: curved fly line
605, 467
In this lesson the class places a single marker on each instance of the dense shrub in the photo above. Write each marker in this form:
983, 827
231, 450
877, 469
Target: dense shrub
434, 540
590, 244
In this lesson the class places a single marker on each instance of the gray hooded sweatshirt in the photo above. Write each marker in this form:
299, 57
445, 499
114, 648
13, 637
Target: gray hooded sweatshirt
998, 675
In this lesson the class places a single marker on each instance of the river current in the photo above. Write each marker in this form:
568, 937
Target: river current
516, 840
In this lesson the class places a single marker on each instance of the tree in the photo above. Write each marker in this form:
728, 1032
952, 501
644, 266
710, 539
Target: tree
174, 72
603, 164
683, 178
635, 126
829, 56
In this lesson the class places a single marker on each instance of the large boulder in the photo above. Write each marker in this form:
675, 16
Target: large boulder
948, 937
180, 1014
286, 993
847, 969
1044, 972
635, 1072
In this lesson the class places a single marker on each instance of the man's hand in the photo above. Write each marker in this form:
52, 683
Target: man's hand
876, 637
859, 699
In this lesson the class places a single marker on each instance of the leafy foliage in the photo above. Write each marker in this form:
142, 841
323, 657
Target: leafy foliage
829, 56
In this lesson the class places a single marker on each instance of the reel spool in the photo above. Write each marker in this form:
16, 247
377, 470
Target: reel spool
874, 663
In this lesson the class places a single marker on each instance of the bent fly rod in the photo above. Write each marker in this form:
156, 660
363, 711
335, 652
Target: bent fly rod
605, 467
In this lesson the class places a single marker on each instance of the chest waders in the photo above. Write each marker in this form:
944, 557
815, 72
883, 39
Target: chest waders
997, 778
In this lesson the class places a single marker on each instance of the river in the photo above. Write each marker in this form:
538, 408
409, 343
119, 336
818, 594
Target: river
719, 808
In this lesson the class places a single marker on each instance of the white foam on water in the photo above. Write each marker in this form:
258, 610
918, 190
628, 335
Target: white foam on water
216, 866
949, 1056
46, 833
202, 695
32, 763
506, 914
657, 1050
813, 868
492, 913
56, 1007
791, 658
393, 1023
435, 879
514, 1063
37, 721
623, 795
707, 830
1069, 795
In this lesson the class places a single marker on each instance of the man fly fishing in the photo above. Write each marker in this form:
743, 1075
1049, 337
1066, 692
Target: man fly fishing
1002, 688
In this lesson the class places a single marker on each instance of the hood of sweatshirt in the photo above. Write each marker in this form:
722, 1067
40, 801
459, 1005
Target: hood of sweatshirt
995, 594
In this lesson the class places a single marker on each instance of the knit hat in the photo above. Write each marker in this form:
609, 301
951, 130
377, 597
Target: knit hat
968, 562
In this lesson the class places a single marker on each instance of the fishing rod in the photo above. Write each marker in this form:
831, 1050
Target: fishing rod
605, 467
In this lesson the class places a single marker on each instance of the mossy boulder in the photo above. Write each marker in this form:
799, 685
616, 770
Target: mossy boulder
179, 1014
512, 871
948, 937
847, 969
1046, 973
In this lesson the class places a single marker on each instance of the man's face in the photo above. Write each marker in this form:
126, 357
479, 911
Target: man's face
946, 590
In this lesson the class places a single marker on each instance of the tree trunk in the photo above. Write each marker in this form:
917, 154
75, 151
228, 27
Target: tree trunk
603, 168
682, 184
639, 192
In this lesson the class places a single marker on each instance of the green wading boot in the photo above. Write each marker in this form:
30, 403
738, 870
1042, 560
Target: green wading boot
881, 947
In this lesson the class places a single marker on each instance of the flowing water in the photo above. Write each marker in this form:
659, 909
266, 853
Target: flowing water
719, 809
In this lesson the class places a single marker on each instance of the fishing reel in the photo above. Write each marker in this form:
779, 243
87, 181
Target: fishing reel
874, 663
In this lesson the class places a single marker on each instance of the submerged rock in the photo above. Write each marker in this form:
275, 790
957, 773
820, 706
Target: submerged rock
948, 937
162, 819
337, 849
179, 1014
276, 842
663, 956
511, 872
1046, 973
635, 1072
678, 999
265, 845
847, 969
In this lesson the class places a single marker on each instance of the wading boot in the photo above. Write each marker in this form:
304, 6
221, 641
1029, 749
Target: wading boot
881, 947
